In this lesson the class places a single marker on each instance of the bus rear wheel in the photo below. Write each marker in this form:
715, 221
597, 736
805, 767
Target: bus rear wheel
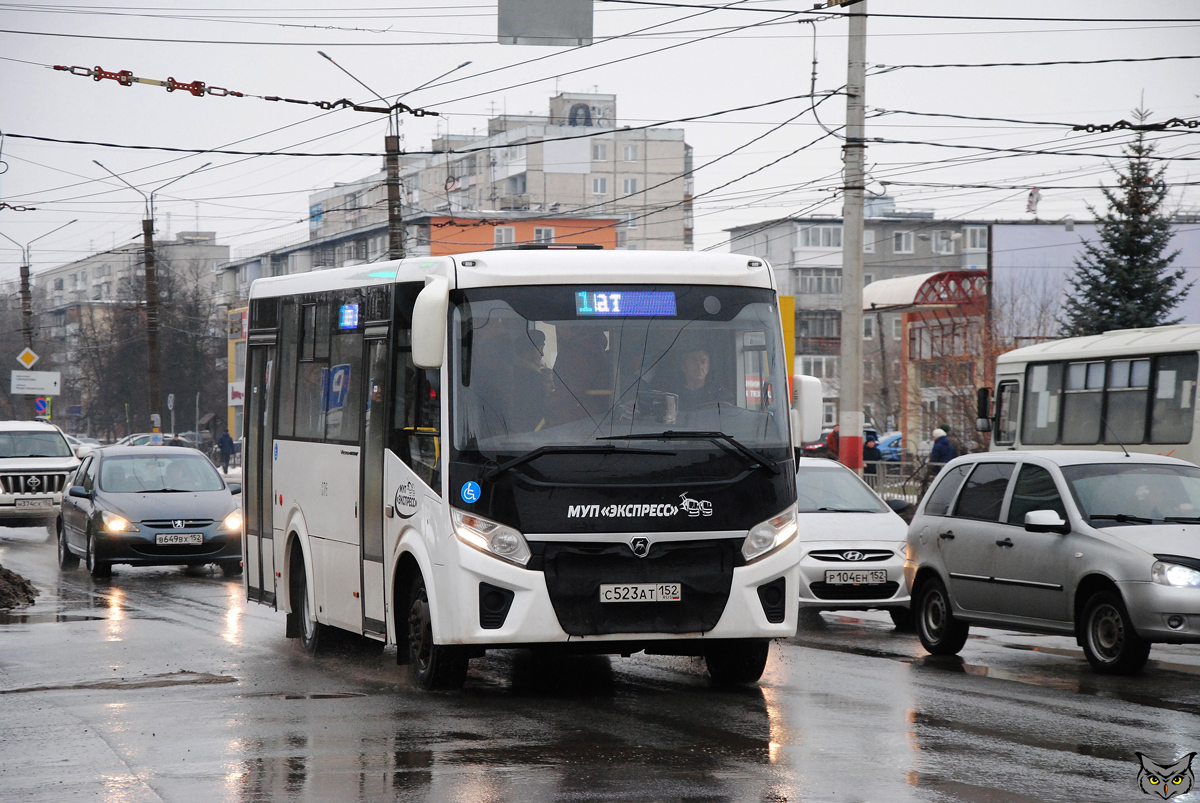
433, 666
737, 662
312, 632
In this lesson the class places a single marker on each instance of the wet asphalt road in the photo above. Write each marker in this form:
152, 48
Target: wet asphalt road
158, 685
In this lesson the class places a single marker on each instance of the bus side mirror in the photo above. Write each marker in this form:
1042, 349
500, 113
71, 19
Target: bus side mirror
807, 412
983, 410
429, 322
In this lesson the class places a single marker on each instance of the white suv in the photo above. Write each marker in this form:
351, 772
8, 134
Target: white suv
35, 464
1100, 545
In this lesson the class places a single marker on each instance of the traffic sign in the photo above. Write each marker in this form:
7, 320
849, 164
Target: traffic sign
36, 383
41, 405
170, 401
27, 358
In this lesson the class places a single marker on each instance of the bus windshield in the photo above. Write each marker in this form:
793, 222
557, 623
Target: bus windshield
599, 366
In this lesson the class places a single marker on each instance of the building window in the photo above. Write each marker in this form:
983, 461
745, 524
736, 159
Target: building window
819, 237
622, 238
819, 323
58, 283
629, 186
830, 411
505, 235
599, 186
868, 241
599, 151
943, 242
897, 328
976, 238
821, 280
868, 278
543, 235
820, 366
631, 220
902, 242
868, 328
630, 153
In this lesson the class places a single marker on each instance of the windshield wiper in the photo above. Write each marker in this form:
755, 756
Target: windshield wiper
607, 448
687, 435
1122, 518
1183, 519
845, 510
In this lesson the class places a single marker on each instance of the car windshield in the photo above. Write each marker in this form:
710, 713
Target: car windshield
151, 474
33, 444
1130, 493
830, 489
561, 367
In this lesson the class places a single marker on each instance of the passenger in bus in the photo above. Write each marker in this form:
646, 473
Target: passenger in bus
583, 383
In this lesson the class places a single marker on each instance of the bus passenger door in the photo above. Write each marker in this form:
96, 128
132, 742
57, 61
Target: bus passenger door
371, 537
257, 490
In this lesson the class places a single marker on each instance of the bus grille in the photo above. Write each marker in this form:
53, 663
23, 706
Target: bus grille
33, 483
574, 573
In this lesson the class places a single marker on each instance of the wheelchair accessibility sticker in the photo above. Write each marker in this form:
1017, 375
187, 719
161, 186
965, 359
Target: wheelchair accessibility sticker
471, 492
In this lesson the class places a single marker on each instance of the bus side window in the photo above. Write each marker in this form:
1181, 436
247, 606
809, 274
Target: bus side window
1006, 413
1174, 399
1083, 402
288, 339
417, 421
1043, 389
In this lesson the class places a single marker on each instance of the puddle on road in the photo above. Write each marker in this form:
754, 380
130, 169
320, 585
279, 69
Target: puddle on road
180, 678
21, 618
316, 695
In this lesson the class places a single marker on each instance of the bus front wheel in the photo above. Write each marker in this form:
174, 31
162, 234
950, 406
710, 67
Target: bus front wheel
737, 662
433, 666
312, 632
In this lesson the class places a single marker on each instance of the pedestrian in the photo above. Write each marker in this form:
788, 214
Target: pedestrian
871, 456
943, 450
831, 442
225, 445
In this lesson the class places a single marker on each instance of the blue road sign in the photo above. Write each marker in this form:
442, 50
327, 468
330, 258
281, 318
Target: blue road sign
41, 405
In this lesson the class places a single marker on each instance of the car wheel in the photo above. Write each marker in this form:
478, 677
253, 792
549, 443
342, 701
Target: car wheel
433, 666
231, 568
902, 619
940, 633
1109, 641
737, 662
97, 568
67, 559
312, 632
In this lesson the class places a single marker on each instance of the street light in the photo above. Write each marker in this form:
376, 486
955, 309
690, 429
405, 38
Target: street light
152, 379
391, 149
26, 298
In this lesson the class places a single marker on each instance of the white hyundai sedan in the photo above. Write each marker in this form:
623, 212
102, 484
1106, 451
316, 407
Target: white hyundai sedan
853, 544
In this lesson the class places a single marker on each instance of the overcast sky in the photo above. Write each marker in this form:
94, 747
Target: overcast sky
663, 63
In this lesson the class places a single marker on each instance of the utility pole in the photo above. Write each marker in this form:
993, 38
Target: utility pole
153, 380
391, 150
850, 416
27, 328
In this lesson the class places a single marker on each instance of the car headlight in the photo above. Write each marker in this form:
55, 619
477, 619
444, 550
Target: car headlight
1172, 574
116, 524
233, 521
491, 537
765, 537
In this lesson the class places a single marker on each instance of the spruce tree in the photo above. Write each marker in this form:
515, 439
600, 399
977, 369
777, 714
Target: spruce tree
1125, 279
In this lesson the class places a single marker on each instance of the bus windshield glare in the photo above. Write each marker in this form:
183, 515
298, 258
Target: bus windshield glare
563, 366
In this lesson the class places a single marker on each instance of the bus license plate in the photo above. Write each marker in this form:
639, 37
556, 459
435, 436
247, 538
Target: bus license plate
640, 592
35, 503
172, 539
861, 577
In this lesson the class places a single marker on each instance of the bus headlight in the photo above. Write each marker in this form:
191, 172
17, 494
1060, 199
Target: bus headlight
767, 536
1172, 574
233, 521
490, 537
116, 524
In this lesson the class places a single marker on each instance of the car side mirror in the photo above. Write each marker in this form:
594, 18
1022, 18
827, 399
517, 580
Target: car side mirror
235, 488
898, 505
1046, 521
79, 492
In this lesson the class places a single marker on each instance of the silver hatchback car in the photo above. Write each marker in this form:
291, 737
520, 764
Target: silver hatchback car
1101, 545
